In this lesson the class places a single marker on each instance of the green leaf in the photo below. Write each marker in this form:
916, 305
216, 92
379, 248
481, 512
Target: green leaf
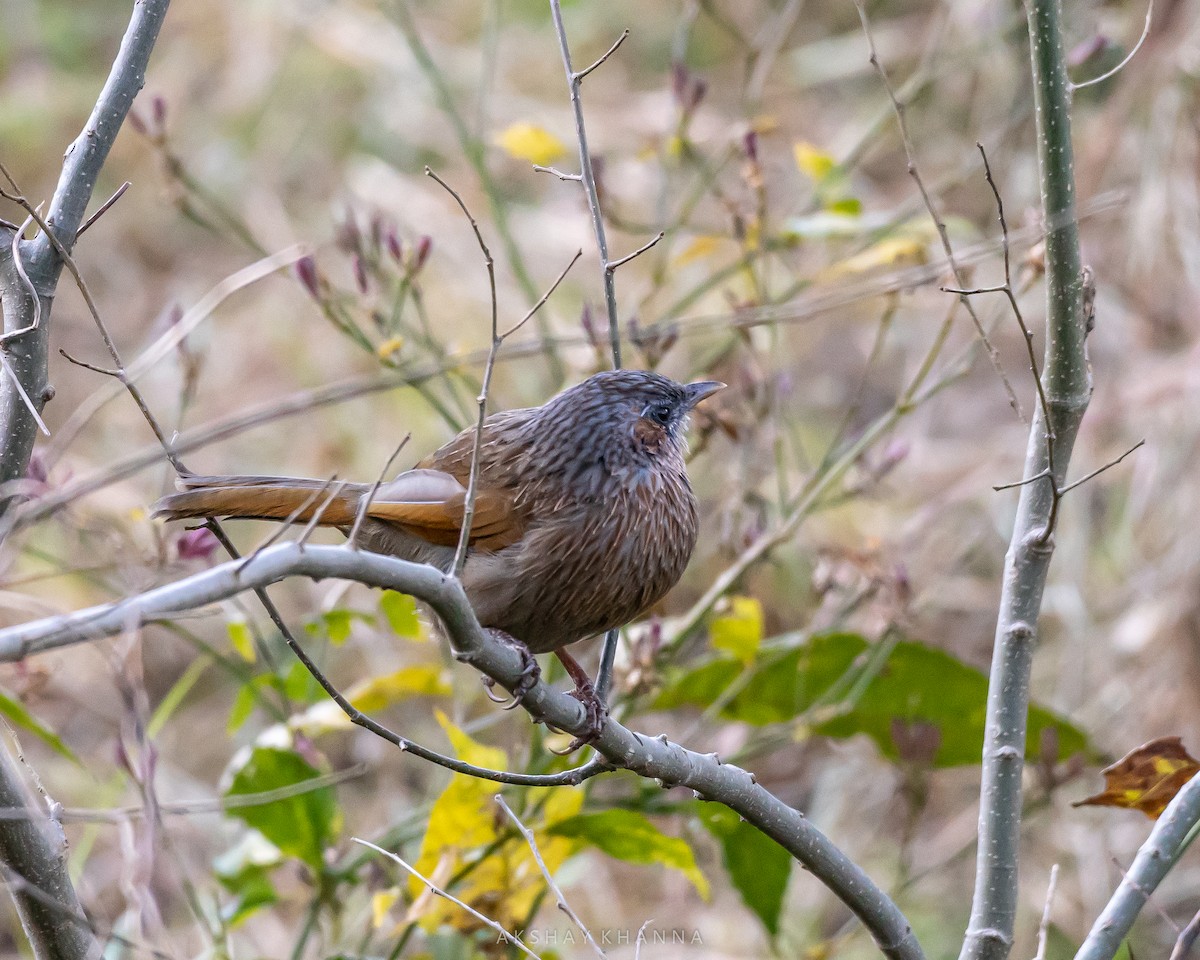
629, 836
303, 825
242, 640
248, 697
335, 624
739, 630
22, 719
401, 612
849, 206
245, 871
846, 692
757, 865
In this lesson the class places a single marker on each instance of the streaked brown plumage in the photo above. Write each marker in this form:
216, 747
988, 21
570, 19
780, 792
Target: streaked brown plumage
584, 515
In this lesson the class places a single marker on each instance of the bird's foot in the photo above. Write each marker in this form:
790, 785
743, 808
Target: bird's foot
528, 678
595, 712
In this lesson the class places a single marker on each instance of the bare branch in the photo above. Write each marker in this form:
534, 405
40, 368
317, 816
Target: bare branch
588, 175
651, 757
554, 888
434, 888
955, 267
576, 77
104, 208
554, 171
1066, 386
34, 857
613, 264
38, 259
1157, 856
1047, 910
1095, 473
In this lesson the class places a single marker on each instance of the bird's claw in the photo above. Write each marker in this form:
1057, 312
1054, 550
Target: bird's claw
530, 674
595, 715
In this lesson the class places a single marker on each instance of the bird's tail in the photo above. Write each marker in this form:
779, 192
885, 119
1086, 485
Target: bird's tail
262, 498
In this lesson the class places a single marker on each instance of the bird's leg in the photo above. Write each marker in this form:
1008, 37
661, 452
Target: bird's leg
585, 693
530, 671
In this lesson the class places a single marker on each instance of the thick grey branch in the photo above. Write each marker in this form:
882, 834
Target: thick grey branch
655, 758
34, 853
28, 354
1155, 858
1067, 388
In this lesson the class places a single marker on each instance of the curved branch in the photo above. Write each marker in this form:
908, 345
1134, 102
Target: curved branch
35, 869
651, 757
1156, 857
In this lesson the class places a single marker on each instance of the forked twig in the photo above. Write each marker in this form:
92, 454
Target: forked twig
554, 888
910, 154
438, 891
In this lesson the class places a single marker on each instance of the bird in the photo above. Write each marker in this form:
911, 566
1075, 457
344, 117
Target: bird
584, 516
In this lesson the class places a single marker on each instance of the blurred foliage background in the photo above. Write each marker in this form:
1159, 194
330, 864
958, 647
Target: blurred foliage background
800, 266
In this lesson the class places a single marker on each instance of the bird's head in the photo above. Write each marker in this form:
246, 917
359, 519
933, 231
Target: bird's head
630, 413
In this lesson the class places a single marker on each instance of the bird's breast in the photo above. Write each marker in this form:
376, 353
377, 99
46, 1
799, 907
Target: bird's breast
591, 562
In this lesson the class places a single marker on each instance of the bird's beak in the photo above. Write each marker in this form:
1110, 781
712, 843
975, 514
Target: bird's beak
704, 388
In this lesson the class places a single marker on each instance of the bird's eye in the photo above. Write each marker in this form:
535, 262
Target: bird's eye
660, 413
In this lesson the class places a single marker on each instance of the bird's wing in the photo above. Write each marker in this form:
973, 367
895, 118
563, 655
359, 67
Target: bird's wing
430, 504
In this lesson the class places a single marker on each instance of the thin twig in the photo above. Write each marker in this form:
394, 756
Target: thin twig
576, 77
1020, 483
554, 171
319, 513
468, 518
188, 808
542, 300
1044, 927
554, 888
588, 176
20, 388
1129, 56
1097, 472
612, 265
910, 154
434, 888
1186, 939
103, 208
281, 528
365, 504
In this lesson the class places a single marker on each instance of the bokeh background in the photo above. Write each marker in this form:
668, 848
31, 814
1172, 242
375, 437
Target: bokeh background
799, 265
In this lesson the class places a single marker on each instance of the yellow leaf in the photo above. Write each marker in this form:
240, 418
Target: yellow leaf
379, 692
1147, 778
675, 147
739, 630
698, 249
464, 821
242, 641
892, 252
524, 141
371, 696
381, 903
389, 347
815, 163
